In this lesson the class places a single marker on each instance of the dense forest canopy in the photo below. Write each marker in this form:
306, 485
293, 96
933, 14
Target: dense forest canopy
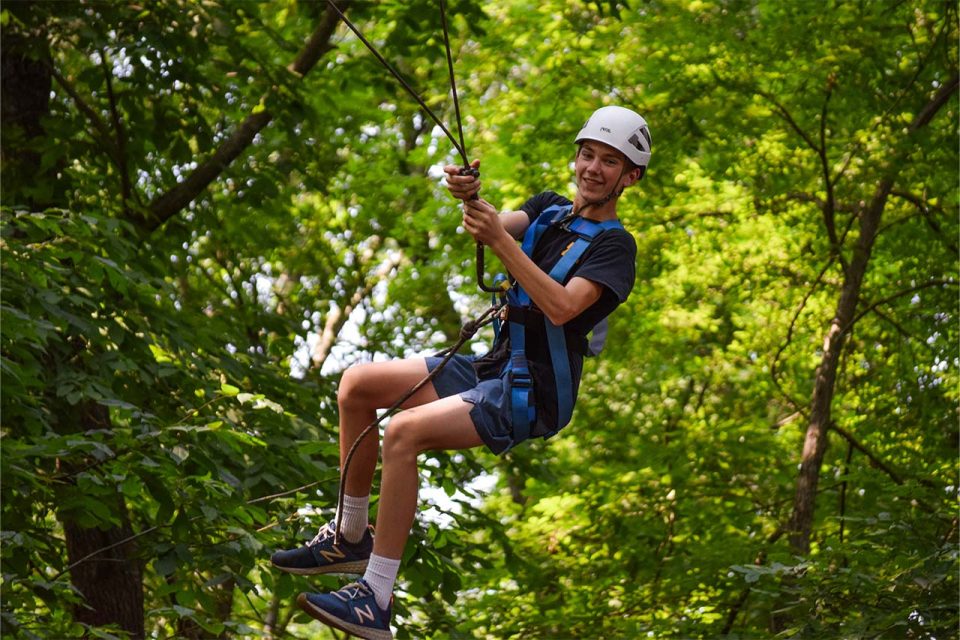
210, 209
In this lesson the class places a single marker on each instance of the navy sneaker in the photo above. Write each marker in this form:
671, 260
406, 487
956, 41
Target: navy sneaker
353, 609
321, 555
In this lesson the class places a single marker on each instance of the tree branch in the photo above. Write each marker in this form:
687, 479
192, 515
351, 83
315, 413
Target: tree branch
874, 460
924, 206
939, 99
173, 201
894, 105
829, 206
98, 123
779, 108
119, 133
899, 294
338, 317
786, 343
701, 214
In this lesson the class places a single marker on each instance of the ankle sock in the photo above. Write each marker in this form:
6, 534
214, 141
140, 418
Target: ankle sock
355, 517
381, 574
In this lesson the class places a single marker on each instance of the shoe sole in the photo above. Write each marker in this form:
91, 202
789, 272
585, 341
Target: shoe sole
361, 632
355, 568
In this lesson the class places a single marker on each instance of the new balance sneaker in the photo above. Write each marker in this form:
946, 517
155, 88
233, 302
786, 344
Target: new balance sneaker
353, 609
321, 555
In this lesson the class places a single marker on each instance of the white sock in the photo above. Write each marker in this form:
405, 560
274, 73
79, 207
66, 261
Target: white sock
355, 517
380, 575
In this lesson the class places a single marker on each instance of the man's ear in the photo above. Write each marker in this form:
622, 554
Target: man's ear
633, 176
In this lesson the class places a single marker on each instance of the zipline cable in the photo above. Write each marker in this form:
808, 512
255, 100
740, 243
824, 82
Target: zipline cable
467, 169
457, 144
453, 82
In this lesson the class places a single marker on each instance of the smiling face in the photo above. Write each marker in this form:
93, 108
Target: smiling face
601, 170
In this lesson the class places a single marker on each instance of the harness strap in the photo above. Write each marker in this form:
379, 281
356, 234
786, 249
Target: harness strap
519, 378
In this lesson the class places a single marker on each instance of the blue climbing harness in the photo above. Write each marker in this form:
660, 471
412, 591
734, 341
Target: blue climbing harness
520, 307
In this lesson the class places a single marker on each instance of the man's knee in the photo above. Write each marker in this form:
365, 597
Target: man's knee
353, 388
402, 436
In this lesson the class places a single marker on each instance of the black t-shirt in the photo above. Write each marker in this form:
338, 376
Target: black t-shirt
610, 261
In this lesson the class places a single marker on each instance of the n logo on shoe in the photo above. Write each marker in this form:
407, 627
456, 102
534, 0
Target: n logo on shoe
336, 554
365, 612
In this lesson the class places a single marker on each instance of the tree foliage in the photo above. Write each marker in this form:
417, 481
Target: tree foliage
210, 209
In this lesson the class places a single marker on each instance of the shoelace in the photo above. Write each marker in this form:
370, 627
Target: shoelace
352, 591
326, 531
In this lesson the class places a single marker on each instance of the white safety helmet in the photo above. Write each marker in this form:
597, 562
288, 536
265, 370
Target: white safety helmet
623, 129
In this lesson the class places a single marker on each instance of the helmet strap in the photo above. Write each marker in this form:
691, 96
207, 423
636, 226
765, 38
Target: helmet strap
615, 193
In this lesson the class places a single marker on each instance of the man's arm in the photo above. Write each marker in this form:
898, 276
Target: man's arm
515, 223
558, 302
500, 231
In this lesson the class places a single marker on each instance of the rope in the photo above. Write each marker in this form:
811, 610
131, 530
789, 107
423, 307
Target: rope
467, 331
459, 145
453, 82
416, 96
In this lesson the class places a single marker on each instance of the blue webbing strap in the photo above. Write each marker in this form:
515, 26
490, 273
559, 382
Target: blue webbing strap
521, 393
548, 216
556, 336
557, 339
523, 407
523, 412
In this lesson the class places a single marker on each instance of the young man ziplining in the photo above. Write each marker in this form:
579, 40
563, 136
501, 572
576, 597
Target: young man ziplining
576, 265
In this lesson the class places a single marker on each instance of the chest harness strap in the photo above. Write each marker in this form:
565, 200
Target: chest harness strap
519, 377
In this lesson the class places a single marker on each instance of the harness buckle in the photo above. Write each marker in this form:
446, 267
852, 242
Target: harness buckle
568, 226
567, 220
520, 380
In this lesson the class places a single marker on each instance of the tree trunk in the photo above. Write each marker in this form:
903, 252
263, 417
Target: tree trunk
24, 102
111, 581
815, 442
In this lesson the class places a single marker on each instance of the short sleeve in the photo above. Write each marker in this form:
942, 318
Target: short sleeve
612, 262
536, 204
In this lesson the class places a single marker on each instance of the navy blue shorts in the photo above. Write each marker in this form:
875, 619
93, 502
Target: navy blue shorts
490, 400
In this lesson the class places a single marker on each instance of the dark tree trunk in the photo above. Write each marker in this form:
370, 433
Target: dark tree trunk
111, 581
24, 101
815, 442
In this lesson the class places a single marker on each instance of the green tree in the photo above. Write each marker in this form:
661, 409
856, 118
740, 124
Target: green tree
210, 208
802, 177
206, 200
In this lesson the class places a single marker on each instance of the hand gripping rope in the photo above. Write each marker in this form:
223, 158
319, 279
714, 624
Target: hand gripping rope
470, 328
